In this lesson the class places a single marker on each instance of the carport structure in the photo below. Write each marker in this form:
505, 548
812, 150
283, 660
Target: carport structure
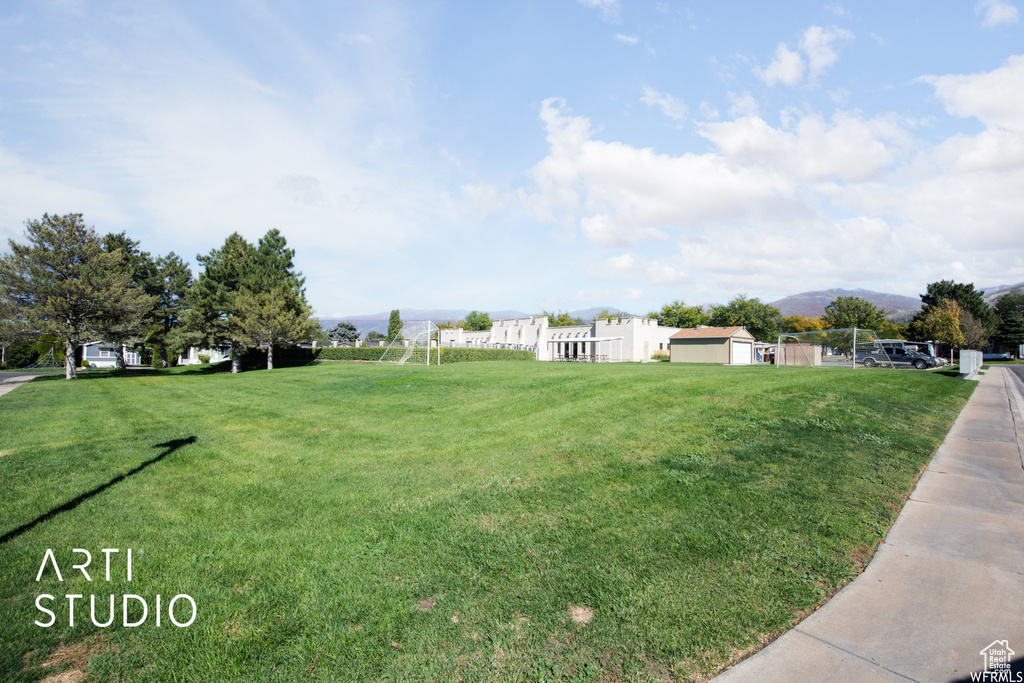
576, 349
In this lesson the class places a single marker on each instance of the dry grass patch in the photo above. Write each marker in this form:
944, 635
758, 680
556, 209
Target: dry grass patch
581, 614
74, 656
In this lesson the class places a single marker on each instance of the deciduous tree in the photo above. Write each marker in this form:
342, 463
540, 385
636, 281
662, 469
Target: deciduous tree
678, 314
760, 319
477, 321
964, 294
943, 323
801, 323
561, 319
852, 311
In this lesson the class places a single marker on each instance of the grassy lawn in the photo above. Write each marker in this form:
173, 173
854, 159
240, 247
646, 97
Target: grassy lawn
355, 522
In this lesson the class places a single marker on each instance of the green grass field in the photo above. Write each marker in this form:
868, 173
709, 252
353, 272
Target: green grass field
356, 522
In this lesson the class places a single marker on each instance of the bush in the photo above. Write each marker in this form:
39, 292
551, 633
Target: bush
256, 359
85, 364
20, 355
660, 356
204, 358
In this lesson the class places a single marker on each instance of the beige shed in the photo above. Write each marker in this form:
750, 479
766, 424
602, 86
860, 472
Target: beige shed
726, 345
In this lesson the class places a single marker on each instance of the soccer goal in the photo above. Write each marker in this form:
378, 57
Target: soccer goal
847, 347
415, 344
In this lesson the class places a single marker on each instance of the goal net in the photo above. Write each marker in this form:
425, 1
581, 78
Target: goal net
415, 344
849, 347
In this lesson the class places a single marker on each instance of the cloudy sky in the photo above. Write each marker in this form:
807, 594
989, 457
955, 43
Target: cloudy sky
531, 154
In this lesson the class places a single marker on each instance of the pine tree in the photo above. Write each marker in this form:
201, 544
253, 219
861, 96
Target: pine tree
211, 300
225, 306
343, 332
175, 281
1010, 310
271, 318
130, 318
63, 283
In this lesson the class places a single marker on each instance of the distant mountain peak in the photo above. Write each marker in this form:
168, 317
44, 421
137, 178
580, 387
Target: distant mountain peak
813, 304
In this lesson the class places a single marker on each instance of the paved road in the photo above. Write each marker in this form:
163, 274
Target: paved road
949, 579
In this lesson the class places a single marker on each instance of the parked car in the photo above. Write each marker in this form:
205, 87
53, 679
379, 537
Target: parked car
896, 356
997, 356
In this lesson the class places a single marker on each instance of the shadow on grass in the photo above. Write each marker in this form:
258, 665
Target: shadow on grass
171, 446
91, 375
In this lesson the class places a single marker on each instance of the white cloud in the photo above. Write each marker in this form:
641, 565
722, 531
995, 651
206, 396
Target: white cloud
819, 44
847, 148
709, 111
787, 67
670, 106
627, 40
621, 195
996, 13
743, 104
631, 266
609, 8
996, 97
836, 9
843, 200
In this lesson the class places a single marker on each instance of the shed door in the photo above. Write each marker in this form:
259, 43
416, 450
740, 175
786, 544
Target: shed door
741, 352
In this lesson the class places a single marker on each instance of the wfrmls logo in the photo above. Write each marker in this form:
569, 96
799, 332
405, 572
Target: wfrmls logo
997, 656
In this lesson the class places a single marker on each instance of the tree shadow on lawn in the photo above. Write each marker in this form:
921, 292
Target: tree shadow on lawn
92, 375
171, 446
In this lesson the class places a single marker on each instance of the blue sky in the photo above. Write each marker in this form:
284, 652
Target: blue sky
548, 154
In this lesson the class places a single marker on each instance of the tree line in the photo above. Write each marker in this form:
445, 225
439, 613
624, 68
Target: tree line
955, 314
70, 284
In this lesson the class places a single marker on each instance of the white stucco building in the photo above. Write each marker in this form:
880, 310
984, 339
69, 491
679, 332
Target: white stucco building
627, 339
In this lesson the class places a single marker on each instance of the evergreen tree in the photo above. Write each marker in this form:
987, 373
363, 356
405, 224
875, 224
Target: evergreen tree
1010, 310
343, 332
132, 318
395, 326
212, 299
13, 328
63, 283
271, 318
175, 280
243, 297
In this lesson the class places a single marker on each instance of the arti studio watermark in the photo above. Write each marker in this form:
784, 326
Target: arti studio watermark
179, 611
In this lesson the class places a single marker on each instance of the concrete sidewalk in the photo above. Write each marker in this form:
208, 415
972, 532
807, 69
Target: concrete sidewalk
9, 384
947, 581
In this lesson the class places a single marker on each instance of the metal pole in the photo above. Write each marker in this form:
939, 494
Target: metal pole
778, 350
853, 356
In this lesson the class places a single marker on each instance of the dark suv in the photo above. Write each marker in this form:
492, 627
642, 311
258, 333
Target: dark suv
896, 356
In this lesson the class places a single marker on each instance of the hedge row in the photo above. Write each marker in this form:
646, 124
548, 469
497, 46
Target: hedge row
449, 354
